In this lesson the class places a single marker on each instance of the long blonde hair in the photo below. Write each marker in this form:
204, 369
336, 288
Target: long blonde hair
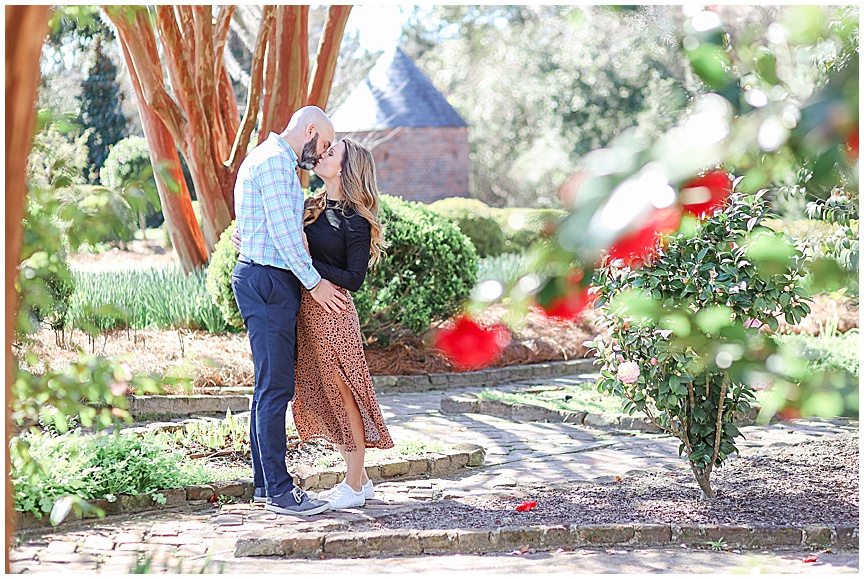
359, 185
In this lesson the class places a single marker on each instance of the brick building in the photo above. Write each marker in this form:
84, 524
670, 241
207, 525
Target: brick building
419, 141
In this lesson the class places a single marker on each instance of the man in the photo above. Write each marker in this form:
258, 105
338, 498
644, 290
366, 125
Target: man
272, 264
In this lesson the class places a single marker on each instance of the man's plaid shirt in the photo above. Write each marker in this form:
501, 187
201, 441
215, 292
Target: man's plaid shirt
268, 203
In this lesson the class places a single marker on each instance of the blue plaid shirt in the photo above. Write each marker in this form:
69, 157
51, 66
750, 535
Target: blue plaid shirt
268, 203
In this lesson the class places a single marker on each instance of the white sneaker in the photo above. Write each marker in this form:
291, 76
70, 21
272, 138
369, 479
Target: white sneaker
368, 490
343, 496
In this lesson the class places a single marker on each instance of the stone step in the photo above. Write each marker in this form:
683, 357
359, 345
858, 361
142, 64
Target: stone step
536, 413
238, 398
377, 543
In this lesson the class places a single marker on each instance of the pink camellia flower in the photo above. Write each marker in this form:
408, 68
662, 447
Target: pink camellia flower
629, 372
752, 323
653, 361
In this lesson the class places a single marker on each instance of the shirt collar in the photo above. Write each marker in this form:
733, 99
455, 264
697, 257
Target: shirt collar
280, 142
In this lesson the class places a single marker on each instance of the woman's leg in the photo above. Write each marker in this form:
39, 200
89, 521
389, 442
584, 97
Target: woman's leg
344, 453
356, 474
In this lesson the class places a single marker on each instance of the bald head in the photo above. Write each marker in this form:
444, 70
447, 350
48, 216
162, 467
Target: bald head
309, 132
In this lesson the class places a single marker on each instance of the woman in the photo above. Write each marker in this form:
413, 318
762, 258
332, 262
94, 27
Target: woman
334, 398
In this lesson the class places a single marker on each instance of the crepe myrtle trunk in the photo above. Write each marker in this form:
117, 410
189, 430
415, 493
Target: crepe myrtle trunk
186, 236
200, 113
26, 27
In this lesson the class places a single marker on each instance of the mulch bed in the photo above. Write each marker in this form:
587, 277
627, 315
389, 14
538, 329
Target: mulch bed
814, 482
226, 360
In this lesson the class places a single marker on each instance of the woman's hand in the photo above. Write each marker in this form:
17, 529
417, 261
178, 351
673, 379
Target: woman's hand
235, 239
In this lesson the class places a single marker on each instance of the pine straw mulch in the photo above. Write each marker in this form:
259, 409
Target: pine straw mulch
217, 360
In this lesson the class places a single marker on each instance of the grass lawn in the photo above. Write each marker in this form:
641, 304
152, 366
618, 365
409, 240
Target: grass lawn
582, 397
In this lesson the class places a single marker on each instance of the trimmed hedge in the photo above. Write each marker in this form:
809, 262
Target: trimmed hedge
222, 262
475, 220
428, 271
522, 227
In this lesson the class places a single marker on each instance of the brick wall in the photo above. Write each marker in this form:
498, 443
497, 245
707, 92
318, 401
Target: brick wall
420, 163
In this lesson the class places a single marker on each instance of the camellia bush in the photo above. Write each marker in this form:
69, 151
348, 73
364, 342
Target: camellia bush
688, 387
775, 104
425, 276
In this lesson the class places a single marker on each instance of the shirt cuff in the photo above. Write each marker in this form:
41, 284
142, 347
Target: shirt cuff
312, 279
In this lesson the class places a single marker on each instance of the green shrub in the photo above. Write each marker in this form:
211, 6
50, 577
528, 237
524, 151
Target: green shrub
47, 468
158, 297
676, 323
827, 352
474, 220
222, 262
429, 270
523, 227
128, 169
60, 287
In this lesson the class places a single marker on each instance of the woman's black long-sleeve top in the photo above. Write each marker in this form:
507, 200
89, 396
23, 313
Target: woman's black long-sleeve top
339, 243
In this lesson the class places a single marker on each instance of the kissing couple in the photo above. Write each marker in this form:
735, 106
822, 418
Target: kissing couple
298, 262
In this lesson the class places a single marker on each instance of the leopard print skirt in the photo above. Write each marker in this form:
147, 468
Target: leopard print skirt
330, 346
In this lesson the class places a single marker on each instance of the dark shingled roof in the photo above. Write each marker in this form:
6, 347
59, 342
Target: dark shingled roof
395, 94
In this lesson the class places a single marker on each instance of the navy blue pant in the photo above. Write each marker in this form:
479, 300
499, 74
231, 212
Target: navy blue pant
268, 298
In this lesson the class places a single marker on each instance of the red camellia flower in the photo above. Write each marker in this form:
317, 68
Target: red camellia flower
810, 559
469, 346
569, 306
852, 143
701, 196
634, 247
526, 506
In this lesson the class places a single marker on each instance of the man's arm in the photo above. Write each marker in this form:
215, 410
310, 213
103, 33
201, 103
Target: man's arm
283, 212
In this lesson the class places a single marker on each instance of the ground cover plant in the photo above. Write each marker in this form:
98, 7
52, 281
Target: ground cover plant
56, 468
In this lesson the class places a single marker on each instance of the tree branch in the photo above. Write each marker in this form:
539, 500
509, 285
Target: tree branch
204, 59
238, 150
286, 90
328, 52
140, 40
186, 18
719, 430
179, 66
220, 38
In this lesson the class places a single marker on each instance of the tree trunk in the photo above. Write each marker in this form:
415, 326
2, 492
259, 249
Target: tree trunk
186, 236
26, 27
703, 477
200, 114
328, 53
289, 55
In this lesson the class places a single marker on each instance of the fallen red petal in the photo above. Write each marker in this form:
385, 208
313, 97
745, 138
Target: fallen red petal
810, 559
526, 506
